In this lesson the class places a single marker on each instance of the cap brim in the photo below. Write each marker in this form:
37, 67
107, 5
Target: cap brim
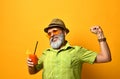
55, 26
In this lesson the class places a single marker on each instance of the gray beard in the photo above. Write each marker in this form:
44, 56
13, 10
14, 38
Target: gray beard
57, 44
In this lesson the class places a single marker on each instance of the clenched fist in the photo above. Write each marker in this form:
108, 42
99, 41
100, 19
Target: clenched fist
98, 31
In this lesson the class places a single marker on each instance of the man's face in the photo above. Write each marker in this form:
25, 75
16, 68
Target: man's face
57, 37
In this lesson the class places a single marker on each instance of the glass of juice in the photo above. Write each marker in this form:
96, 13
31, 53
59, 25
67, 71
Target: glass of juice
33, 58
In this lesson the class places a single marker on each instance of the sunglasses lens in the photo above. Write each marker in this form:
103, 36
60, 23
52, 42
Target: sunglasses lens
54, 32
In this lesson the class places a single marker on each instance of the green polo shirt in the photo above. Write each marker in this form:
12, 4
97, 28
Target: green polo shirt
65, 63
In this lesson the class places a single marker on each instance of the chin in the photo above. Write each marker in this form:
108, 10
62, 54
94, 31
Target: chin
56, 44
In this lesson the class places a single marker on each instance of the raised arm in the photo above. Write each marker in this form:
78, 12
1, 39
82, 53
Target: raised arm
104, 55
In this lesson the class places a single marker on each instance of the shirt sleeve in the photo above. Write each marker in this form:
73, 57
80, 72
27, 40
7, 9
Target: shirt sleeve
86, 56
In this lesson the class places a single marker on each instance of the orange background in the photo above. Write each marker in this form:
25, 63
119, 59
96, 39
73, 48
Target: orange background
22, 23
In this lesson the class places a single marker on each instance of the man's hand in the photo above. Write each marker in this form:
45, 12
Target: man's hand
30, 63
98, 31
31, 66
31, 59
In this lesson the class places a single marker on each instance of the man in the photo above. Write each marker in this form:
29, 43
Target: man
63, 61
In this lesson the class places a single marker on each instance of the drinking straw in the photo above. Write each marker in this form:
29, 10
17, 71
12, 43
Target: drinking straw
35, 47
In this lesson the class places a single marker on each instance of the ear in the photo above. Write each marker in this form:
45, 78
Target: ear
65, 33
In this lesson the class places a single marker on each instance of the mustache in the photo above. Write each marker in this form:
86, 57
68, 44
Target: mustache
51, 39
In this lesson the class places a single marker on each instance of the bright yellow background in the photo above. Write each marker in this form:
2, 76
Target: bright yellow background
22, 23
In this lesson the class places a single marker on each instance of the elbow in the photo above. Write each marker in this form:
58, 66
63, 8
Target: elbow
108, 59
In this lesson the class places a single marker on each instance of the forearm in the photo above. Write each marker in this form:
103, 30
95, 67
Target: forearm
105, 54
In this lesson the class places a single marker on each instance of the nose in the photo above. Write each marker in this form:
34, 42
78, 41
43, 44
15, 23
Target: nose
52, 34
